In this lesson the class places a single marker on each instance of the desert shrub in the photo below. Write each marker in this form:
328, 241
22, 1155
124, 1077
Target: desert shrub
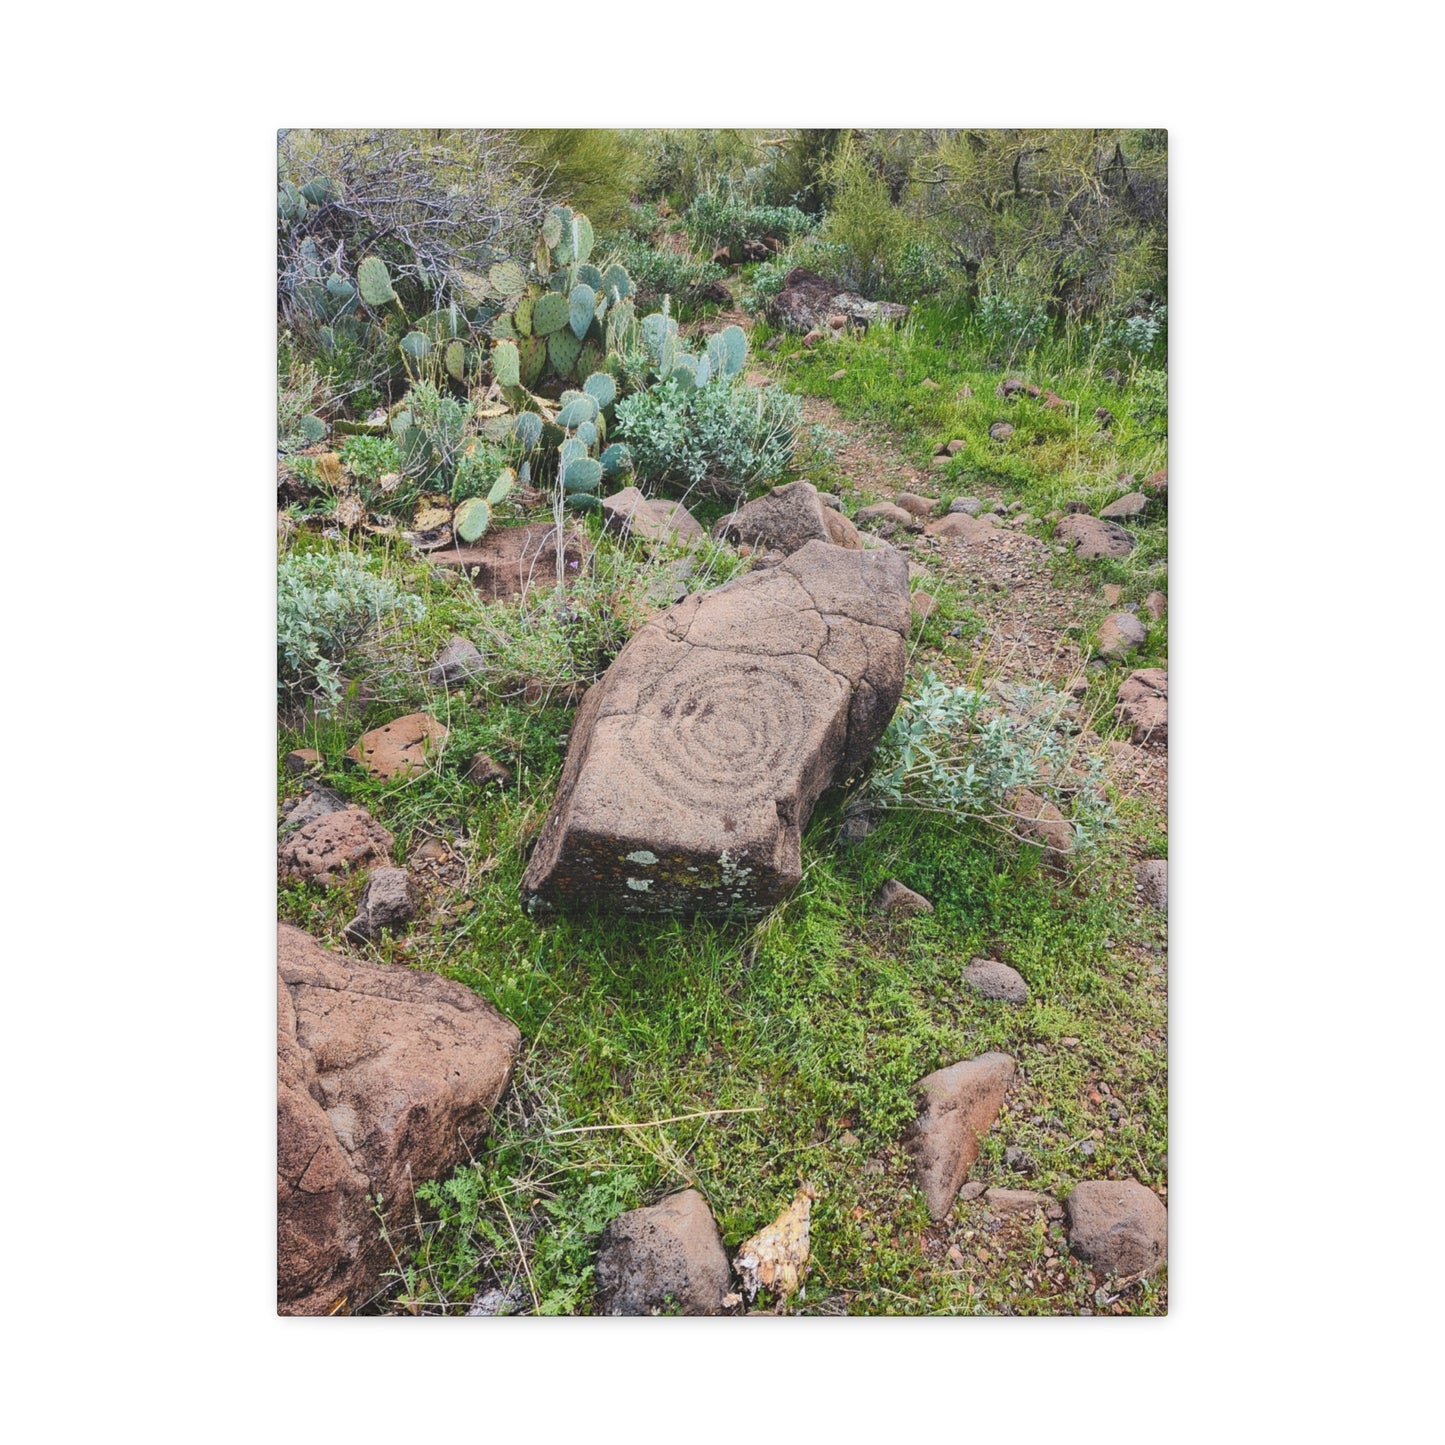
301, 393
1138, 333
721, 217
327, 603
683, 163
659, 272
1009, 326
955, 750
436, 208
864, 222
724, 439
594, 171
368, 459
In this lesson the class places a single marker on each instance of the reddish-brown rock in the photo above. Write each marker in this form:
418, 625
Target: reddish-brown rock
787, 518
897, 900
1036, 820
1118, 1227
667, 1256
885, 512
959, 1105
960, 525
511, 561
1131, 504
695, 763
1119, 634
631, 514
329, 846
385, 1077
1144, 705
917, 505
409, 744
1091, 537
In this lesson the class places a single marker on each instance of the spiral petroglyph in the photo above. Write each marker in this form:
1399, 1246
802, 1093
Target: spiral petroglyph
695, 763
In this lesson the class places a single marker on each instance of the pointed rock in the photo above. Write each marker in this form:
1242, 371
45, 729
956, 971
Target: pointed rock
959, 1105
670, 1254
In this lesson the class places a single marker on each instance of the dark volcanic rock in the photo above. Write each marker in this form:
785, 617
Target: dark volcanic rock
334, 844
695, 763
388, 903
899, 901
669, 1254
457, 663
1144, 705
384, 1077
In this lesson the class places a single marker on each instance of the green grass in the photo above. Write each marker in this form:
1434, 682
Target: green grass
820, 1019
1053, 458
813, 1026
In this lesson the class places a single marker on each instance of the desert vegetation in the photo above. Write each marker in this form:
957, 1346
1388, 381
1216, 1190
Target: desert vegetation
531, 388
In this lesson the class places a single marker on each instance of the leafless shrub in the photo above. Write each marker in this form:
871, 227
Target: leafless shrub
432, 204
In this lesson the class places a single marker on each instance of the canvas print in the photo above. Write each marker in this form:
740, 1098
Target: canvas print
722, 722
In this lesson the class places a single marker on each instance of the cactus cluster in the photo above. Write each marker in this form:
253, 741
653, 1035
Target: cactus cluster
574, 320
563, 321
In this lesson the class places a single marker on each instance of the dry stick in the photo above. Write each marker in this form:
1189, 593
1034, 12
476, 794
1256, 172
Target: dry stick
653, 1123
522, 1253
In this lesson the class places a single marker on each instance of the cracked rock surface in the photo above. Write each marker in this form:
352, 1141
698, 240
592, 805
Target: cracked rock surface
695, 764
384, 1077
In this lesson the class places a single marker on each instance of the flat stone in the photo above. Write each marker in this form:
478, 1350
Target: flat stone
924, 604
785, 519
1113, 594
384, 1077
329, 847
405, 745
510, 562
1144, 705
970, 506
989, 978
1152, 876
1092, 537
388, 904
899, 901
1130, 505
960, 525
631, 514
457, 663
1118, 1227
668, 1256
959, 1105
1119, 635
1000, 431
696, 761
1017, 1201
316, 802
1156, 604
916, 505
300, 761
972, 1190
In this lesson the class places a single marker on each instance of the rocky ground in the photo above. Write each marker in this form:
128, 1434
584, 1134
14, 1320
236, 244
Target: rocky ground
931, 1079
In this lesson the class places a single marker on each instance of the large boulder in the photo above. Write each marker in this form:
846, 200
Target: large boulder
787, 518
670, 1255
807, 302
512, 561
959, 1105
695, 763
385, 1077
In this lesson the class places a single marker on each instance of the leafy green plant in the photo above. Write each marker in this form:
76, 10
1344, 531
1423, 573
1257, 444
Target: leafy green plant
369, 458
660, 271
326, 603
721, 218
955, 750
724, 439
